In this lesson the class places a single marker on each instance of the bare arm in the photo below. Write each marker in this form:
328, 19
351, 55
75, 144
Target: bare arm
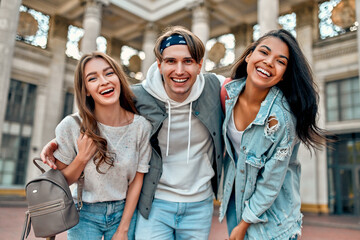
47, 153
238, 233
87, 149
72, 172
132, 198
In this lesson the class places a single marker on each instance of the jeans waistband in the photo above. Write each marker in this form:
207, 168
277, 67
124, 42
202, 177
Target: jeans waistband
104, 207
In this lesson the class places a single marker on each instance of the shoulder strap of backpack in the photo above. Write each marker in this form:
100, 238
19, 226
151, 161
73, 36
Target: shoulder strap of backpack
80, 182
27, 226
223, 94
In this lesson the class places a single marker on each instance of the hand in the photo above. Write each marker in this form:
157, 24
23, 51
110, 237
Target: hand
120, 235
238, 233
47, 153
86, 146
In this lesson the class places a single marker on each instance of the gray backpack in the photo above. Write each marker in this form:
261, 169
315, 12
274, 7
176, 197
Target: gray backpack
51, 209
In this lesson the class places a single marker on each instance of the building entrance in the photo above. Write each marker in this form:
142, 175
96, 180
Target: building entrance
344, 175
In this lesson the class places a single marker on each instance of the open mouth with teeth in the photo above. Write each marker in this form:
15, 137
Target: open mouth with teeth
263, 71
179, 80
107, 91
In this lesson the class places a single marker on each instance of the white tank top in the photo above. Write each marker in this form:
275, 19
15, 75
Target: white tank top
234, 135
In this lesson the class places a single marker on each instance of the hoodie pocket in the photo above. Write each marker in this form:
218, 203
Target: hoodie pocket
187, 178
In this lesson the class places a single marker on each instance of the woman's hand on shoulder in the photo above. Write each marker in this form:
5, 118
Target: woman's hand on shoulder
86, 146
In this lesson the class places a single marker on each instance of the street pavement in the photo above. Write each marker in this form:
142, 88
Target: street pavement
315, 227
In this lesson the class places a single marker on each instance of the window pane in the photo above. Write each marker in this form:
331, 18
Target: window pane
342, 97
9, 166
332, 115
357, 112
7, 178
346, 113
345, 86
347, 190
68, 105
357, 151
332, 102
331, 89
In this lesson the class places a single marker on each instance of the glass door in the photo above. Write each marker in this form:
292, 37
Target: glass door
344, 175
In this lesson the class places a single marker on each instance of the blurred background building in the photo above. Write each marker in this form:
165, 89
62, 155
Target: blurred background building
41, 40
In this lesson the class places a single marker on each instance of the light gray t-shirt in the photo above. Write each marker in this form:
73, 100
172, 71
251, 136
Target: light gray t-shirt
130, 145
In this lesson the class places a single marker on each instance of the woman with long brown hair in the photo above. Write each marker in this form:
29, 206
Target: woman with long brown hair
111, 146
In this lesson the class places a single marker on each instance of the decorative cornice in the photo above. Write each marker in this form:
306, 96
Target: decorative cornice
330, 48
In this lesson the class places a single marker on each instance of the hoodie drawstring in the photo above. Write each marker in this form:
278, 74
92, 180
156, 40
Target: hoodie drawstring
188, 150
168, 133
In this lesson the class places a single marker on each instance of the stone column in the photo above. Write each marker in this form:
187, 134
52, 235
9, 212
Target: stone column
304, 28
268, 14
150, 36
200, 25
37, 141
9, 17
314, 165
92, 24
55, 83
243, 37
114, 49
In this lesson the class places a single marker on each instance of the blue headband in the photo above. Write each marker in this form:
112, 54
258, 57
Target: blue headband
172, 40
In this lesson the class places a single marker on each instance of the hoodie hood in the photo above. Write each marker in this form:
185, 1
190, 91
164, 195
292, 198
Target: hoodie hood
154, 85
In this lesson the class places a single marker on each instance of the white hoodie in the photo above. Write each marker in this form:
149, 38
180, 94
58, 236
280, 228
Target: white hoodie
185, 143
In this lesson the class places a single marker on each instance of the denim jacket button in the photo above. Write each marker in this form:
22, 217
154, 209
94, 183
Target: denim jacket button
244, 148
242, 190
242, 171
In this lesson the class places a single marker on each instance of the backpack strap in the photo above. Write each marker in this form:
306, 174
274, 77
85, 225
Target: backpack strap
80, 182
223, 94
27, 226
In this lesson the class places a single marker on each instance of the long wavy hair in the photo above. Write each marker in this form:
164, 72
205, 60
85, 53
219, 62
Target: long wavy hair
298, 87
86, 106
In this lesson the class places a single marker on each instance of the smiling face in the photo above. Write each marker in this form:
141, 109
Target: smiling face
267, 64
179, 71
101, 82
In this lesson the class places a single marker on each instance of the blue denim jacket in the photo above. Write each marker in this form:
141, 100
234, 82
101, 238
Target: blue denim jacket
267, 172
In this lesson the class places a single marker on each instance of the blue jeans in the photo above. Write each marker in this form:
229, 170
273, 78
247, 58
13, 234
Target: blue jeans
176, 220
99, 220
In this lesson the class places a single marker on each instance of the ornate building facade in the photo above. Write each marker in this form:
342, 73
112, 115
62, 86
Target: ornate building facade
38, 58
